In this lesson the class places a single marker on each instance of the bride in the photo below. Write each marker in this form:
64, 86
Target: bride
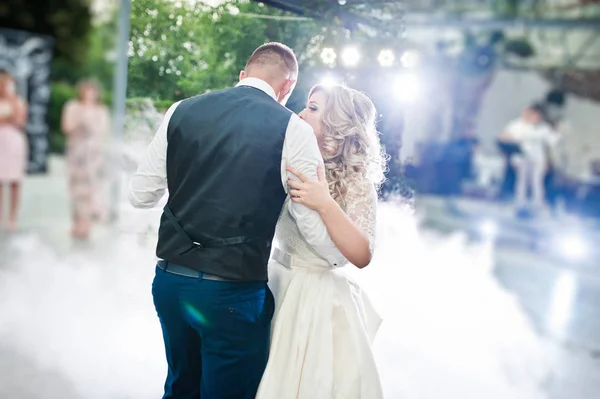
324, 324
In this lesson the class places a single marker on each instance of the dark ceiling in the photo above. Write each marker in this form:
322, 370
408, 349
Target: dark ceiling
448, 13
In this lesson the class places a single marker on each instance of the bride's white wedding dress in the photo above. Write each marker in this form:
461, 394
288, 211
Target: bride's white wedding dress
324, 324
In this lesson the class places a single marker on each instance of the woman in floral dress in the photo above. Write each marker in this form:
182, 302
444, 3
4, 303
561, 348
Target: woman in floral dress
85, 122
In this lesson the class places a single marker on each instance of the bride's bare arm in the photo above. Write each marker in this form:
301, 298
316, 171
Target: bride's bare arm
344, 229
352, 230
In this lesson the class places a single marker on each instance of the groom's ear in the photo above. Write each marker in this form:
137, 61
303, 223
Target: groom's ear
286, 91
243, 75
289, 86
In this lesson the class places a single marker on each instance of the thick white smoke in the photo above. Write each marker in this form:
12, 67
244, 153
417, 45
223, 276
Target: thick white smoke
82, 324
449, 331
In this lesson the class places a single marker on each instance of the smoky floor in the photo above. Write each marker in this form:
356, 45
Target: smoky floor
560, 299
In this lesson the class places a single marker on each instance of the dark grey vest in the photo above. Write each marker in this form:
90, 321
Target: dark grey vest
224, 179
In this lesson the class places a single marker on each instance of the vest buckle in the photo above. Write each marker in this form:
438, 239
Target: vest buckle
196, 244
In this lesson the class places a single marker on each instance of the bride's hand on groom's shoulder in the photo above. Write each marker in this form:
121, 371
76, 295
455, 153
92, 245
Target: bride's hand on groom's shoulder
311, 193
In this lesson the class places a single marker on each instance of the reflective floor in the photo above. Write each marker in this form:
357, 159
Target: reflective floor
561, 296
559, 291
452, 329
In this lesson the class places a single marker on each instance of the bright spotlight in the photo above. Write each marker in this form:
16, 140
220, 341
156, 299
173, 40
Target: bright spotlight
386, 58
407, 87
489, 228
410, 59
573, 247
328, 56
328, 80
350, 56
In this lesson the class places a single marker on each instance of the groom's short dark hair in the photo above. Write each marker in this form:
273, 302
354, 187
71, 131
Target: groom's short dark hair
274, 54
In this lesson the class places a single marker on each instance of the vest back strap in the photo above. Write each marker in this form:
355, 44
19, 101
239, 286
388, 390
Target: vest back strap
194, 244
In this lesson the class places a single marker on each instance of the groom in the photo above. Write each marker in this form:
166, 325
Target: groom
222, 156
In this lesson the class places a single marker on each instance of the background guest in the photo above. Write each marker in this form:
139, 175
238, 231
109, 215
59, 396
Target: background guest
85, 121
13, 145
534, 138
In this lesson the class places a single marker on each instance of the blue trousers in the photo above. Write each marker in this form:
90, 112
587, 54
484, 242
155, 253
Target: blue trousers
216, 335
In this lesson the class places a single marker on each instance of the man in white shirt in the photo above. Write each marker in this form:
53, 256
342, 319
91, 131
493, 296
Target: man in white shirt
223, 157
534, 138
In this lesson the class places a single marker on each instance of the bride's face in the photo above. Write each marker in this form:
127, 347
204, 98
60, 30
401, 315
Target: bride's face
313, 113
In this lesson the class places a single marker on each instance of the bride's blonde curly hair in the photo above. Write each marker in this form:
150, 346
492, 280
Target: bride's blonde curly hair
351, 149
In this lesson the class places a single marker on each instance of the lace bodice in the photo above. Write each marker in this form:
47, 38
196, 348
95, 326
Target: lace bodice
361, 206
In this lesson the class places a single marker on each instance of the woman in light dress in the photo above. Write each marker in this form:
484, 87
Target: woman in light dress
85, 121
13, 145
324, 324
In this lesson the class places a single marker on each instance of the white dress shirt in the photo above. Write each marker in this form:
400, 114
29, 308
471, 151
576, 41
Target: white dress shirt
534, 140
300, 150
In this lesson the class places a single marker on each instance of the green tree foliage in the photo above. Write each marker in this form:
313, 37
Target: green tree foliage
179, 49
98, 62
61, 93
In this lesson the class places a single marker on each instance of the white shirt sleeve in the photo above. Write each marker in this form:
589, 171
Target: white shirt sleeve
301, 151
515, 130
149, 183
